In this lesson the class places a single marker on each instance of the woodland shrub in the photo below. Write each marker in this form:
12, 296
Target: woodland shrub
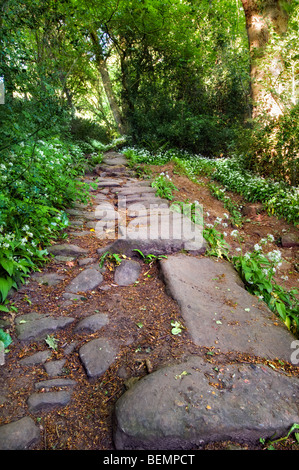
86, 130
273, 148
37, 181
171, 126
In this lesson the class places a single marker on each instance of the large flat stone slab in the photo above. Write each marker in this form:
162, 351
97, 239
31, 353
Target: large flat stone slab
97, 355
157, 231
38, 402
113, 171
220, 313
186, 405
135, 189
115, 160
87, 280
154, 247
37, 358
54, 368
51, 383
35, 326
100, 197
19, 435
127, 273
66, 249
141, 202
109, 182
92, 323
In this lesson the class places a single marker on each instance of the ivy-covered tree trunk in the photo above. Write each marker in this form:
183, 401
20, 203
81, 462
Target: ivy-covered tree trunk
102, 67
263, 19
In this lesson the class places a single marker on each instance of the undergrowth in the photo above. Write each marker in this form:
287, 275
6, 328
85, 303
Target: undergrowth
278, 198
38, 180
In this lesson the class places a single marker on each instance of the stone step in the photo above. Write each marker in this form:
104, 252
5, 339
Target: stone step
35, 327
66, 249
220, 313
46, 401
97, 355
87, 280
19, 435
116, 160
54, 368
187, 405
52, 383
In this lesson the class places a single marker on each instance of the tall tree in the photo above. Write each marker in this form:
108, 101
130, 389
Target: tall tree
104, 72
263, 19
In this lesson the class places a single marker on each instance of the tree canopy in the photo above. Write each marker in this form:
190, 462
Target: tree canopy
206, 76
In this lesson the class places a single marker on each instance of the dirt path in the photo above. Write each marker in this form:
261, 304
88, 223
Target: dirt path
134, 321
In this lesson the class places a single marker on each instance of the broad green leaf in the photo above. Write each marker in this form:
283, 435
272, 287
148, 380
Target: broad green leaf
5, 286
51, 342
5, 338
280, 307
8, 265
4, 309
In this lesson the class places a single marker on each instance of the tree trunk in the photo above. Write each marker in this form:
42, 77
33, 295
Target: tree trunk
107, 83
262, 17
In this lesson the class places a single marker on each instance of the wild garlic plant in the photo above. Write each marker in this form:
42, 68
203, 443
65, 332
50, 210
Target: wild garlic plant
257, 270
164, 186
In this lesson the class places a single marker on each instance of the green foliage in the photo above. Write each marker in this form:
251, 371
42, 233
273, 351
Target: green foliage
217, 246
278, 197
88, 130
5, 338
132, 157
149, 258
274, 147
186, 85
52, 342
37, 180
192, 210
231, 206
112, 259
143, 172
257, 270
164, 186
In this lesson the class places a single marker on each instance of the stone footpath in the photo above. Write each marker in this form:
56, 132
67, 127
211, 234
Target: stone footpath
179, 406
